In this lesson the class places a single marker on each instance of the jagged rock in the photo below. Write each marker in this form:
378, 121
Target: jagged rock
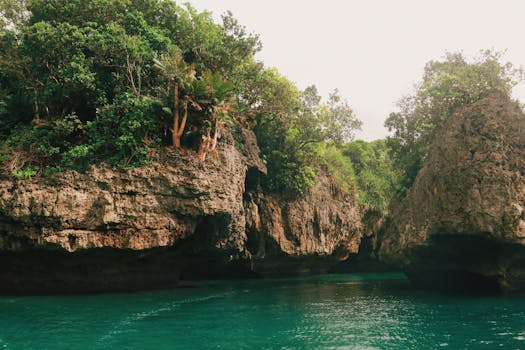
149, 207
325, 222
462, 224
151, 226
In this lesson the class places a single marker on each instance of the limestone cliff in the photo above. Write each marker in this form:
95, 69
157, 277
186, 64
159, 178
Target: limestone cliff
151, 226
462, 224
323, 223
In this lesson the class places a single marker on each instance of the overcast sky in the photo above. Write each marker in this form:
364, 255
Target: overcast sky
374, 51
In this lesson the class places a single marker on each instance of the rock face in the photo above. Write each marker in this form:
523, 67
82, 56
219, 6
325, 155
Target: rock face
462, 224
151, 226
323, 223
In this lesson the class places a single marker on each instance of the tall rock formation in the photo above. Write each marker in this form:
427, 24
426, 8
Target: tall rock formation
462, 224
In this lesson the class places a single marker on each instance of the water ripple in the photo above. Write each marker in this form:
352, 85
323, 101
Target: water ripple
329, 312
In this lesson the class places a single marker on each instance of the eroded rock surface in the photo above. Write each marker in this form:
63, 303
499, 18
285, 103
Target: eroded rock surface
151, 226
325, 222
462, 224
148, 207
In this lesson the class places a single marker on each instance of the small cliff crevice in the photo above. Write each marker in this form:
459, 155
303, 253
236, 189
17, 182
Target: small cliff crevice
463, 218
107, 230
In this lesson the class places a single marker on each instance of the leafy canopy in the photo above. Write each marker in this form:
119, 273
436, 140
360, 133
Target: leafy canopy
376, 179
89, 81
291, 126
93, 65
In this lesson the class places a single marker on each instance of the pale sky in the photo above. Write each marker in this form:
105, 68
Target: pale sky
374, 51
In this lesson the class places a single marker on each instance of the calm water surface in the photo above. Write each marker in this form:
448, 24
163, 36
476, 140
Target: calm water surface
372, 311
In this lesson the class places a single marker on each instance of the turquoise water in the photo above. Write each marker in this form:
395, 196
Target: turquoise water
373, 311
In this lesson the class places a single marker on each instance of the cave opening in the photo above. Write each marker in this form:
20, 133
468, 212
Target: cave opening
205, 259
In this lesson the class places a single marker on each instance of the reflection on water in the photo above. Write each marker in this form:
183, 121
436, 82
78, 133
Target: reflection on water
374, 311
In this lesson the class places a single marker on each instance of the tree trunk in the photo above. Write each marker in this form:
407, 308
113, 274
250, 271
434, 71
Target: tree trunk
37, 111
203, 147
215, 137
184, 119
212, 148
175, 131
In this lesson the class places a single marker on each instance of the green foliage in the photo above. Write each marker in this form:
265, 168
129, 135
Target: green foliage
339, 166
446, 85
91, 81
376, 179
288, 174
291, 125
338, 121
25, 173
272, 101
123, 133
80, 80
37, 146
316, 122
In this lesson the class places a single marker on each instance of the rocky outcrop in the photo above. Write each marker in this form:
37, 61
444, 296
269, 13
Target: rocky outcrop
150, 227
149, 207
325, 222
373, 224
462, 224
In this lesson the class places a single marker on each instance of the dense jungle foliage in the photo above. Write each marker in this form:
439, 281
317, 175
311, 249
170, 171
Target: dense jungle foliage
113, 81
117, 81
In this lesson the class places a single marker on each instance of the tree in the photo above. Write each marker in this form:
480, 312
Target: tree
376, 179
273, 104
221, 104
90, 65
446, 85
86, 81
316, 122
339, 121
291, 124
181, 81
